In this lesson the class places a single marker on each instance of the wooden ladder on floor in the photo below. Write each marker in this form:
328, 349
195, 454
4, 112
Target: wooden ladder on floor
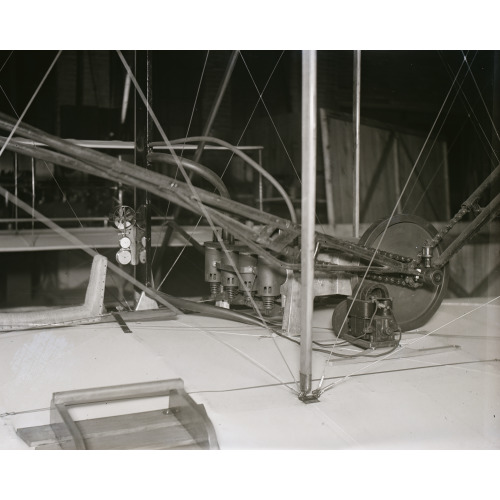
184, 424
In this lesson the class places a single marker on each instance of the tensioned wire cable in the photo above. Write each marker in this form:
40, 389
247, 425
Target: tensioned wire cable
6, 60
190, 121
28, 105
483, 137
232, 155
46, 166
19, 120
195, 195
261, 99
458, 365
45, 163
488, 147
246, 356
411, 342
319, 389
436, 135
437, 170
482, 99
225, 168
181, 155
254, 108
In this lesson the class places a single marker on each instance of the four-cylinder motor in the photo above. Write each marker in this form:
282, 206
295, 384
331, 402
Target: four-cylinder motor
239, 277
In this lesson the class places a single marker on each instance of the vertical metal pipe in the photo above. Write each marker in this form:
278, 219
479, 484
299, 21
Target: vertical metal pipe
446, 182
32, 194
149, 138
16, 190
328, 168
308, 214
397, 183
356, 121
144, 132
261, 186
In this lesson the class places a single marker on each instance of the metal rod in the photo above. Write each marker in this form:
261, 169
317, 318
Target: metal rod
144, 128
199, 151
218, 100
446, 181
487, 214
328, 168
32, 193
79, 244
474, 197
16, 191
356, 121
397, 184
308, 214
261, 186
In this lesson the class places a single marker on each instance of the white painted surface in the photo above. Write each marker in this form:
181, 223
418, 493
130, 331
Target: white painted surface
408, 401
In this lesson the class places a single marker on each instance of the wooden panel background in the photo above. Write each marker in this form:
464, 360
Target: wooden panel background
386, 159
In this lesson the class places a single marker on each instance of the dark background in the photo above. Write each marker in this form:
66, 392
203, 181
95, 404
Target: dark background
82, 98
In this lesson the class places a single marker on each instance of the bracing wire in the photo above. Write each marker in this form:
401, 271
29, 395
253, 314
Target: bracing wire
346, 377
358, 288
19, 120
182, 154
46, 166
192, 115
246, 356
232, 151
261, 99
477, 125
417, 176
254, 109
6, 60
195, 195
488, 147
438, 169
482, 99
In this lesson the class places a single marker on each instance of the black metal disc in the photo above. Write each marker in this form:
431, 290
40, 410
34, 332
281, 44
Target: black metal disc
339, 319
405, 235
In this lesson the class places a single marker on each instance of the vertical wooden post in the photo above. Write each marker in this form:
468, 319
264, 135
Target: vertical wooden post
309, 116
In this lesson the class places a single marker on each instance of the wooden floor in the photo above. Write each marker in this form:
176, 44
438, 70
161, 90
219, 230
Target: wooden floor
442, 391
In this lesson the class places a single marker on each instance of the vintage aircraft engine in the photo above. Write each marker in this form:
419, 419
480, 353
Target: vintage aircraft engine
371, 322
247, 269
259, 280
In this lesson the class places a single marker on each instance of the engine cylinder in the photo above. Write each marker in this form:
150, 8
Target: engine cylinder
247, 268
212, 261
268, 284
229, 280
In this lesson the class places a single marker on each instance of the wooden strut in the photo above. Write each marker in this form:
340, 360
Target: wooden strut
102, 165
75, 157
78, 244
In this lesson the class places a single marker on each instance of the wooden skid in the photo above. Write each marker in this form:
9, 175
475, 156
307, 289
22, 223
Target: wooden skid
152, 430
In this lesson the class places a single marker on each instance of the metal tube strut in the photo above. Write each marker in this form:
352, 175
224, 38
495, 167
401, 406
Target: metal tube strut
308, 214
356, 111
